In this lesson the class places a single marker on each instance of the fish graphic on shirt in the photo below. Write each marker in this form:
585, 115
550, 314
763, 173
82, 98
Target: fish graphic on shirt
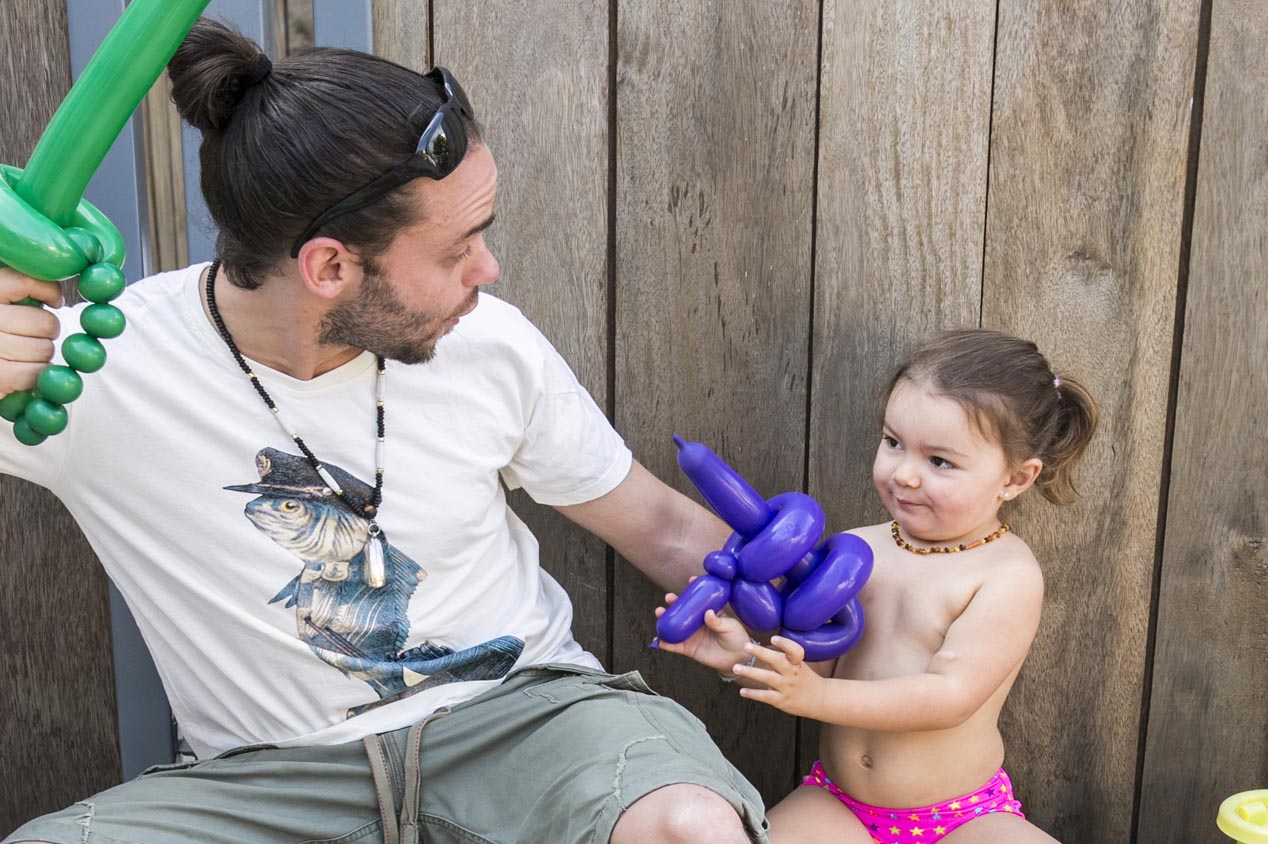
359, 629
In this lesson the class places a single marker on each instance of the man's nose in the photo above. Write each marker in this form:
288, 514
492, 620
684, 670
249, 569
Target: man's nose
486, 270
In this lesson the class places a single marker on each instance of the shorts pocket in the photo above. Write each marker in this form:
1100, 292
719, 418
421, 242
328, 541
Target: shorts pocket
170, 766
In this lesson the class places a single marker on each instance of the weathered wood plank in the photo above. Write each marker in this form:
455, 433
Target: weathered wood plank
293, 26
60, 740
715, 138
538, 76
903, 134
164, 179
400, 32
1208, 716
1088, 158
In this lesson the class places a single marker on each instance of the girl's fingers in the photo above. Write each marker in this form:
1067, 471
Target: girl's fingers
769, 656
796, 653
758, 675
761, 695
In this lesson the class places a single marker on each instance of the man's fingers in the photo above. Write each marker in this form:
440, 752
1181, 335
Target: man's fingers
29, 322
18, 376
17, 349
14, 287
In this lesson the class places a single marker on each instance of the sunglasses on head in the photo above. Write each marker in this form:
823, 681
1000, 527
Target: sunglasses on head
439, 152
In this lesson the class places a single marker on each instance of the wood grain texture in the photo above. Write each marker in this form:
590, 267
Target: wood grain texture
903, 134
400, 32
60, 737
292, 26
537, 73
715, 139
164, 179
1088, 158
1208, 718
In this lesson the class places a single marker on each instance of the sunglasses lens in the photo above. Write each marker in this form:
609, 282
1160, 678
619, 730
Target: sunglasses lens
444, 143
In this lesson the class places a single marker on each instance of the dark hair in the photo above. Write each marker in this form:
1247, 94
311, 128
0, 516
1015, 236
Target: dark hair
281, 146
1012, 395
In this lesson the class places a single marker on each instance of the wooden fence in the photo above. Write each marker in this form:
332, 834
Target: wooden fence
732, 216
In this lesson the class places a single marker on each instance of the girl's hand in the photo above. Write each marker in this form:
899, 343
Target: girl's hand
719, 644
792, 686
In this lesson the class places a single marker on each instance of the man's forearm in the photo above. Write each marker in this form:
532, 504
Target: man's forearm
688, 533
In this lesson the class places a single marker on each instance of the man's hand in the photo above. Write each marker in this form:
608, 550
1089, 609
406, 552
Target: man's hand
26, 333
719, 644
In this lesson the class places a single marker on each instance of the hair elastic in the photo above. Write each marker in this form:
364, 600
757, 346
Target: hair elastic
1056, 382
263, 67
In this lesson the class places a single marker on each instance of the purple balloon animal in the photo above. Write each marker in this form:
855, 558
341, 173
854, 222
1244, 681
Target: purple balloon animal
817, 607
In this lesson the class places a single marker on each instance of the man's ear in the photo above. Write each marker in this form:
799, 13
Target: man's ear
1022, 478
328, 269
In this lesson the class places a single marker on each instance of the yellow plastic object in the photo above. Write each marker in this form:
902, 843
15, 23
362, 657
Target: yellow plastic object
1244, 817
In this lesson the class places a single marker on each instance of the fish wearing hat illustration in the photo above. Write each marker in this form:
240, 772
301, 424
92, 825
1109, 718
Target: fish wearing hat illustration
358, 628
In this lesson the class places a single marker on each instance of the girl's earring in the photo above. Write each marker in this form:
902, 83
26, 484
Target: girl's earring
1007, 495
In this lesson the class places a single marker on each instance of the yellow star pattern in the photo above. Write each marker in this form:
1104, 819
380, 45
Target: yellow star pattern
939, 830
955, 805
915, 830
893, 830
974, 799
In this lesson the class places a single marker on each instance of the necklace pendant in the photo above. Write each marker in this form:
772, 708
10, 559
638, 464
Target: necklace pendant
375, 559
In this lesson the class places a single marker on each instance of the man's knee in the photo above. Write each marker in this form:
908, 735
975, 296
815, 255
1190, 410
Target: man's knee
680, 814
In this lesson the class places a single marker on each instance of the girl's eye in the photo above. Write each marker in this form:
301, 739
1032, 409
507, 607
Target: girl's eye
890, 441
940, 463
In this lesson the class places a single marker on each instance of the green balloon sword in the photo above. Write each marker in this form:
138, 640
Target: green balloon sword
49, 232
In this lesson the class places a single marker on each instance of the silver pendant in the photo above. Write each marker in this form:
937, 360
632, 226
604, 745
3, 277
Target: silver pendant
375, 554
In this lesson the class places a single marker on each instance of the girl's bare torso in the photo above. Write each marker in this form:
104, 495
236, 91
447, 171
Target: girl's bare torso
909, 603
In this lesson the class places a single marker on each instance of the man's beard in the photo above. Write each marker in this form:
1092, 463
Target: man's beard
379, 322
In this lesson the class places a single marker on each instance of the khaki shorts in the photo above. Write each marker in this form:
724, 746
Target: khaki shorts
552, 755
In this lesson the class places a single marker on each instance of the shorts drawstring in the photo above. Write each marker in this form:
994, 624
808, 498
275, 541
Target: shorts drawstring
413, 782
383, 789
402, 829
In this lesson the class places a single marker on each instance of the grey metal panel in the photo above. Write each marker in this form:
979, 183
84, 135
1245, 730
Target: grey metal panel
118, 189
118, 186
253, 19
342, 23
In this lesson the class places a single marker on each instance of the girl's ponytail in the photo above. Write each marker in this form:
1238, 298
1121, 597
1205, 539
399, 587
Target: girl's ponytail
1075, 423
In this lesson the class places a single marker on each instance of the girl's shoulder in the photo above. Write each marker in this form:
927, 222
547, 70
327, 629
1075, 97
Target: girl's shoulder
872, 534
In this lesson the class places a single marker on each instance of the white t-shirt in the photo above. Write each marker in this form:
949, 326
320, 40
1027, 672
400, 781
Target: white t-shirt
252, 600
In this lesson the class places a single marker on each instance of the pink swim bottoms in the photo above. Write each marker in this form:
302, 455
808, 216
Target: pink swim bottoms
928, 824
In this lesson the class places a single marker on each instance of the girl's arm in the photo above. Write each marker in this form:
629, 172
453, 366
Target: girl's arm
982, 648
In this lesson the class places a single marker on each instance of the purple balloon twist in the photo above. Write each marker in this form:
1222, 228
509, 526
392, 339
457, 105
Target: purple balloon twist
817, 606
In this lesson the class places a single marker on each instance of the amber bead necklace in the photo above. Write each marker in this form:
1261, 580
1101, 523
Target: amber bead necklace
945, 549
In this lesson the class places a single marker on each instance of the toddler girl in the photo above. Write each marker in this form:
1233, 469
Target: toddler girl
910, 749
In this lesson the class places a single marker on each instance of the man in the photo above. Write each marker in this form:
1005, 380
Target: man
366, 647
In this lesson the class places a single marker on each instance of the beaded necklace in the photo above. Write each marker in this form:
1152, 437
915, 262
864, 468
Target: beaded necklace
375, 552
945, 549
